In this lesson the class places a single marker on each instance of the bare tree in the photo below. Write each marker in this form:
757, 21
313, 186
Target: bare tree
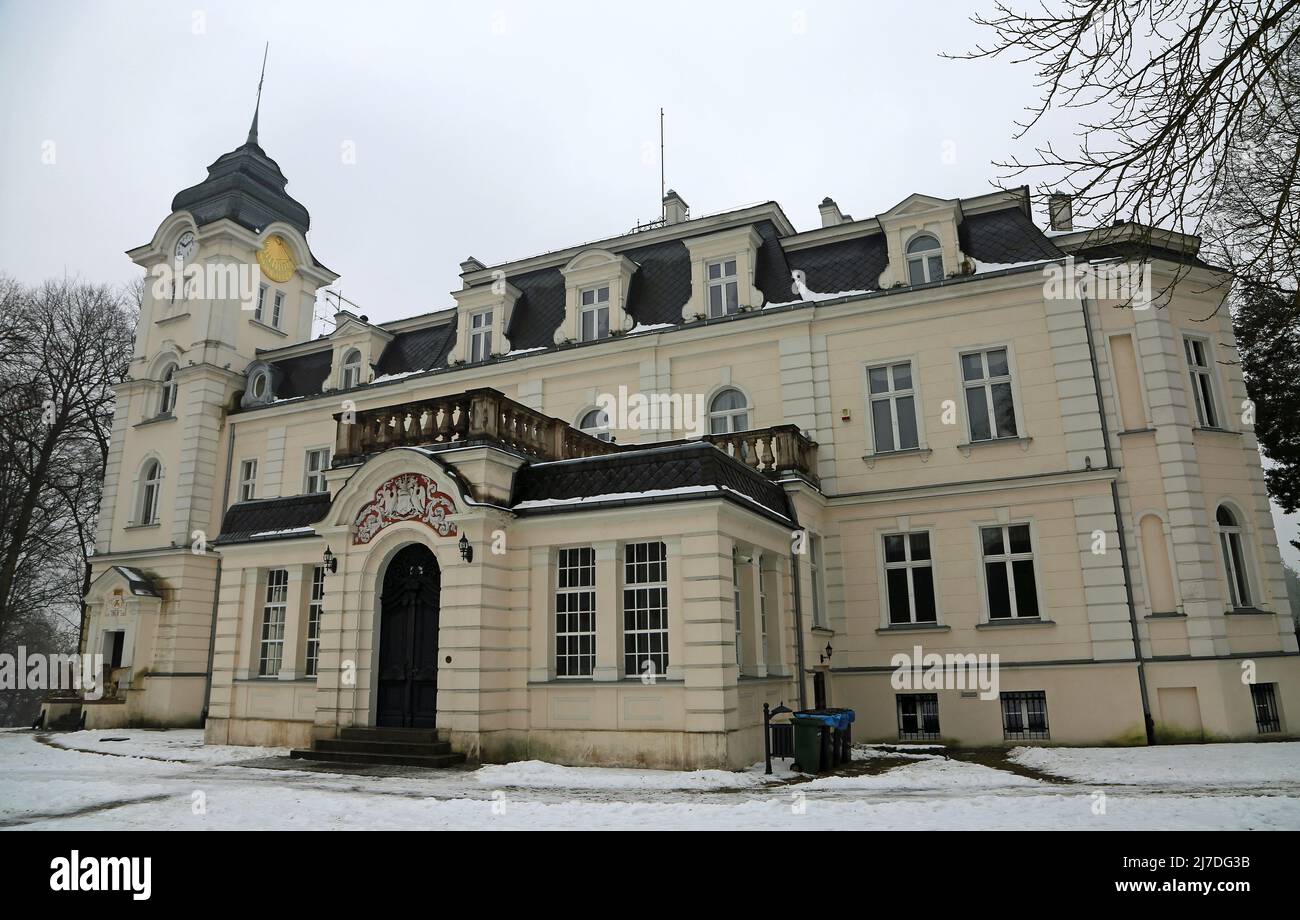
70, 342
1172, 93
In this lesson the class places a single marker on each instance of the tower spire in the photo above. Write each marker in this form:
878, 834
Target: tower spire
252, 130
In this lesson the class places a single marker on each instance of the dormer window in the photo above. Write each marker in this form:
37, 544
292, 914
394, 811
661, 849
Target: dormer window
351, 369
595, 313
924, 260
480, 336
724, 291
260, 384
167, 399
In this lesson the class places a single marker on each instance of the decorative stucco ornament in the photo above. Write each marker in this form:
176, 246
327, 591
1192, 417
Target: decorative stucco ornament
408, 497
276, 259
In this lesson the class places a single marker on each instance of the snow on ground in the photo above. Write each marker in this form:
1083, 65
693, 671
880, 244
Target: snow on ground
185, 745
537, 774
166, 781
1170, 765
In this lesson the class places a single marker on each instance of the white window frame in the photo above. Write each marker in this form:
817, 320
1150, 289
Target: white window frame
170, 390
275, 609
310, 474
1205, 386
150, 492
601, 432
637, 577
739, 606
1238, 571
277, 309
595, 309
1006, 557
248, 479
260, 309
263, 379
729, 416
923, 258
315, 611
987, 382
891, 396
570, 568
350, 375
762, 611
480, 336
908, 565
727, 284
817, 572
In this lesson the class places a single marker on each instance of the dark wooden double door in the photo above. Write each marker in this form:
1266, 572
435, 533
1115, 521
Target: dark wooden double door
408, 641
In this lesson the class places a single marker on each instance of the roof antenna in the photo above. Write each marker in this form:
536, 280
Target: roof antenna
252, 131
663, 186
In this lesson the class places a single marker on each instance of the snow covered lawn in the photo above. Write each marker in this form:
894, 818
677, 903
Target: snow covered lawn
168, 780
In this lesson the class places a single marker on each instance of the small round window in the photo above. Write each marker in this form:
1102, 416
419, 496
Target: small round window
259, 385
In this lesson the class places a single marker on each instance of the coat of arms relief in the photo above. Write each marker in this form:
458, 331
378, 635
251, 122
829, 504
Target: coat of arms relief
408, 497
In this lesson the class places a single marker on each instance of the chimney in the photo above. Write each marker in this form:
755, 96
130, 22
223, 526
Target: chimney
1060, 211
831, 216
676, 209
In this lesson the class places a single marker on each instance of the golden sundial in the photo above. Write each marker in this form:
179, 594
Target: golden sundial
276, 259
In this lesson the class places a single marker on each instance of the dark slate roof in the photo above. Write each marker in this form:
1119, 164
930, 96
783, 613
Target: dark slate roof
245, 521
1005, 236
247, 187
417, 350
303, 375
848, 265
671, 466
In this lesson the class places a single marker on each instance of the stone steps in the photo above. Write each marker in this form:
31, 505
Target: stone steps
403, 747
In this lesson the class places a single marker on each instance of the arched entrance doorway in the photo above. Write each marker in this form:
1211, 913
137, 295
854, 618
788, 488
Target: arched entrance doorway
408, 640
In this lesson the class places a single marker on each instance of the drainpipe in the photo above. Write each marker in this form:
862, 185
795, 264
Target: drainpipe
216, 591
1147, 721
798, 628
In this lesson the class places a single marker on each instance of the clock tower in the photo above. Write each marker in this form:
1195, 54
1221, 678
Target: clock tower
229, 274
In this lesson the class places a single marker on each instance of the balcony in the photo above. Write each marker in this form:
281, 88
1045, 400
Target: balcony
486, 416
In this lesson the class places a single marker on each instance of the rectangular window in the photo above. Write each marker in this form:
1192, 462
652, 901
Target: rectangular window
260, 310
1198, 365
594, 314
480, 336
818, 580
1264, 696
645, 609
314, 611
1009, 572
277, 309
247, 480
317, 462
1024, 716
909, 578
724, 294
990, 407
893, 407
575, 612
272, 645
918, 716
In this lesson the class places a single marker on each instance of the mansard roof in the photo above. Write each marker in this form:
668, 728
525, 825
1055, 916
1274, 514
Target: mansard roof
996, 231
273, 518
246, 186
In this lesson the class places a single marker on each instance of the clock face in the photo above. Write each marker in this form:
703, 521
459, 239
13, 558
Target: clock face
186, 246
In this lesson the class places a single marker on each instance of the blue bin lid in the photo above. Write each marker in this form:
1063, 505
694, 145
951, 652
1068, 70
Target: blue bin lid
839, 719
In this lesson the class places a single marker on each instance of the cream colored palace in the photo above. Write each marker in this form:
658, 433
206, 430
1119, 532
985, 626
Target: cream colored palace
909, 439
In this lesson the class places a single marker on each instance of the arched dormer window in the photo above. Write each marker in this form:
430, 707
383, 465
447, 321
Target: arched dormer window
924, 260
1234, 557
351, 369
728, 412
167, 396
150, 490
596, 424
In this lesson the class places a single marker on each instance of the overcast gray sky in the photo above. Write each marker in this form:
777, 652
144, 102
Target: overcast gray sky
495, 129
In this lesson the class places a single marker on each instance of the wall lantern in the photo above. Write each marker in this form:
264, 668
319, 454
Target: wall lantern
826, 655
466, 551
330, 561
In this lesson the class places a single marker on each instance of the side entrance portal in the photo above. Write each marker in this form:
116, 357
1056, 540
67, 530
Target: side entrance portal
408, 640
